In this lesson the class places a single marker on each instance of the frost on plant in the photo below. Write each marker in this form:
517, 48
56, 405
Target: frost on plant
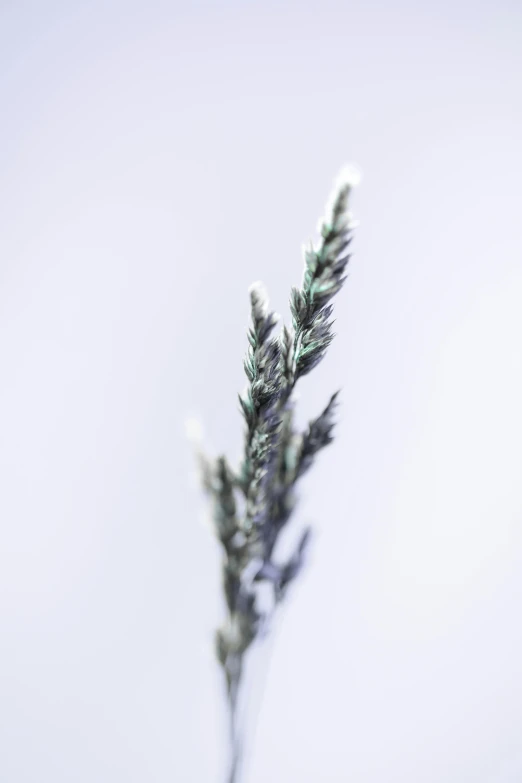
252, 504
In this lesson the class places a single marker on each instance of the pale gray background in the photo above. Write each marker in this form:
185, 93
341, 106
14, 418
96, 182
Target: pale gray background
156, 158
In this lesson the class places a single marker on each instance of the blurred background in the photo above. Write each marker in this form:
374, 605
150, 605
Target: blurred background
156, 159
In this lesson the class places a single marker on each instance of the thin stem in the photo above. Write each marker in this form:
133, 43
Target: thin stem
235, 740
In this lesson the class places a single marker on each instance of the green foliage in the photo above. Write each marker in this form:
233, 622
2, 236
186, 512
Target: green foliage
252, 506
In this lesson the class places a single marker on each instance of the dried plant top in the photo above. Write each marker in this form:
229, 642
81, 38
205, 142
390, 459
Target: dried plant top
252, 505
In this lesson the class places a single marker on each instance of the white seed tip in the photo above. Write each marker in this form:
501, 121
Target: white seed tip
194, 429
258, 287
349, 175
